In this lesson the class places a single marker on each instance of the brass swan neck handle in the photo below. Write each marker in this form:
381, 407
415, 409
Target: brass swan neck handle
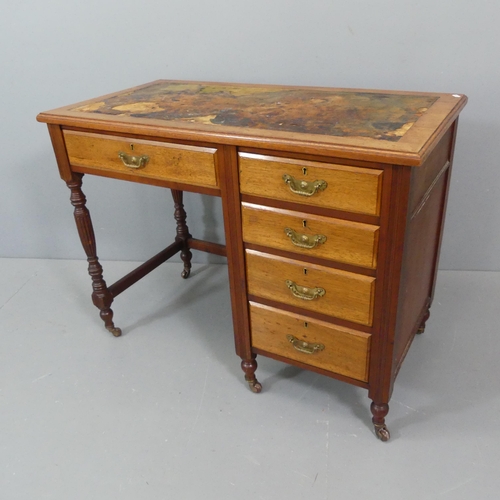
304, 188
304, 293
303, 240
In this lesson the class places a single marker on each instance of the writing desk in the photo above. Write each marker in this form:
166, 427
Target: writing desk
333, 203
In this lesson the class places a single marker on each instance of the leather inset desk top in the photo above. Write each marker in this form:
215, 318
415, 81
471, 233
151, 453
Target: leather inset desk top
375, 115
366, 125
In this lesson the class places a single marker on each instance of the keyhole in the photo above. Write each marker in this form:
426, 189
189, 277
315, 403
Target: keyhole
304, 170
305, 270
132, 147
306, 324
304, 223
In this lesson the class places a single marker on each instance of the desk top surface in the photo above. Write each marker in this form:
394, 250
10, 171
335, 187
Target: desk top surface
374, 125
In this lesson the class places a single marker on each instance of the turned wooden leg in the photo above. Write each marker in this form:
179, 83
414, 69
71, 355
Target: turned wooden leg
421, 328
101, 296
182, 232
379, 411
249, 366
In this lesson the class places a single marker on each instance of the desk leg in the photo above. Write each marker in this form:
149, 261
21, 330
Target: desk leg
182, 231
379, 412
249, 366
231, 206
101, 296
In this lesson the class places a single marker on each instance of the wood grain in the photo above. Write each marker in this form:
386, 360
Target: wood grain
346, 351
411, 149
348, 242
350, 189
348, 296
387, 167
167, 161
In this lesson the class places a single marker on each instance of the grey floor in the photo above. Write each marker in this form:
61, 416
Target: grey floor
163, 412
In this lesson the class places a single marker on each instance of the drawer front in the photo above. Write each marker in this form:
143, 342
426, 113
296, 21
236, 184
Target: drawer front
316, 343
351, 189
174, 162
316, 288
343, 241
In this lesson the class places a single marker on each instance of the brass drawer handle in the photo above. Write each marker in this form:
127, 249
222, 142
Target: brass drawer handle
304, 293
305, 347
132, 161
304, 188
303, 240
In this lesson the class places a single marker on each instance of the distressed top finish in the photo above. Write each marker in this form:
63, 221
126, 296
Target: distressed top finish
380, 125
307, 111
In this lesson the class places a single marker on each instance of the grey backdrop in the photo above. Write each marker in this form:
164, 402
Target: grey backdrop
57, 52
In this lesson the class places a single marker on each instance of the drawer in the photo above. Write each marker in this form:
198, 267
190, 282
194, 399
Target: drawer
171, 162
316, 288
351, 189
305, 234
316, 343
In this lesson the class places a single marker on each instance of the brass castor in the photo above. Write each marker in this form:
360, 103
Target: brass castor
255, 385
421, 329
115, 331
249, 366
185, 274
382, 432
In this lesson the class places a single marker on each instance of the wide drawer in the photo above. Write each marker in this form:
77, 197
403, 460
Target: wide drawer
316, 343
305, 234
316, 288
156, 160
352, 189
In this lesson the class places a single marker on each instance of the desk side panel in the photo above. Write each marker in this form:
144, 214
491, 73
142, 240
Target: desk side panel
428, 196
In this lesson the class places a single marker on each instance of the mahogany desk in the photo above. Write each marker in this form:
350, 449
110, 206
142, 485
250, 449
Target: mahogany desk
333, 202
